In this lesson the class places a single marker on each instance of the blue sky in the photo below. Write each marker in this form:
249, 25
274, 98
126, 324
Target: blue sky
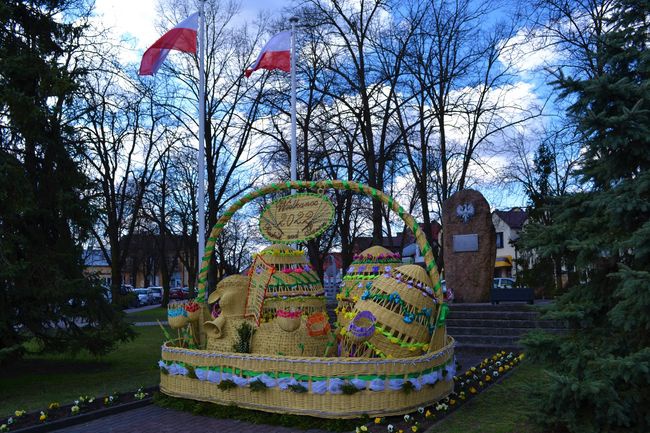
137, 21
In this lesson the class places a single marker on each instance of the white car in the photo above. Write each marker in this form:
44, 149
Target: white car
145, 297
156, 293
503, 283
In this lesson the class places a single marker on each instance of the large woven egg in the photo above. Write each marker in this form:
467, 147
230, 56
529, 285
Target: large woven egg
366, 266
403, 302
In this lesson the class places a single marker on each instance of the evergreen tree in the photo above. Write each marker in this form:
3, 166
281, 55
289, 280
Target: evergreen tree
599, 370
43, 215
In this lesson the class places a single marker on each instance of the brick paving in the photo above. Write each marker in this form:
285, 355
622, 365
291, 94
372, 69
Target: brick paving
154, 419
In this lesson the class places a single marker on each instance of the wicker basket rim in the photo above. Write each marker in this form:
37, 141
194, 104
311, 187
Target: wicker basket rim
426, 357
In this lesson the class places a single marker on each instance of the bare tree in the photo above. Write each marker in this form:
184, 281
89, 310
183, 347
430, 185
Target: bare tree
123, 128
365, 69
158, 208
458, 86
184, 214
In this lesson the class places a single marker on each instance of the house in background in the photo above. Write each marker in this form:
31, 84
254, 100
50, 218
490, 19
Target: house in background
403, 243
95, 264
507, 224
143, 266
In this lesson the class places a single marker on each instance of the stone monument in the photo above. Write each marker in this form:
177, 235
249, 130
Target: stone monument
469, 246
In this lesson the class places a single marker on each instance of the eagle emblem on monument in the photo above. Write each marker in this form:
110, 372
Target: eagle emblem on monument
465, 211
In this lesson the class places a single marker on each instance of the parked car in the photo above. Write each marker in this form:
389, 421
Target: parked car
177, 294
157, 294
145, 296
503, 283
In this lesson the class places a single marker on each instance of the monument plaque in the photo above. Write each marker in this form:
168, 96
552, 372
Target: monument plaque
465, 243
469, 246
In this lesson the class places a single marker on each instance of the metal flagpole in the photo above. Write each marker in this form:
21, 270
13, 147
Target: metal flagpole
201, 161
293, 21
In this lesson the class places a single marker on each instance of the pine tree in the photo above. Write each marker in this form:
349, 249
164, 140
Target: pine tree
599, 371
44, 217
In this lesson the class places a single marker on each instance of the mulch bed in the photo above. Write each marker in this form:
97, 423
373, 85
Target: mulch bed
61, 416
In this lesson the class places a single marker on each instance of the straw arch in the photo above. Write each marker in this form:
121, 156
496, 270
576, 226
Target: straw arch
360, 188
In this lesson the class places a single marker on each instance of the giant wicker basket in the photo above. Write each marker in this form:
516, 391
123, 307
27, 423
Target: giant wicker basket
308, 379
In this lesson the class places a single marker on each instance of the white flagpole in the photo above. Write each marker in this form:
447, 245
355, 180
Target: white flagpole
293, 21
201, 157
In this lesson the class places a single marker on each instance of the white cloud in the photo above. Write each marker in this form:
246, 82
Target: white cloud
528, 52
136, 19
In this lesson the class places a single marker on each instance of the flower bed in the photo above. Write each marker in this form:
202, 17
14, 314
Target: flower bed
467, 386
76, 411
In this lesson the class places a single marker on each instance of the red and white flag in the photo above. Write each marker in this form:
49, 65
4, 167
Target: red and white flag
181, 38
276, 54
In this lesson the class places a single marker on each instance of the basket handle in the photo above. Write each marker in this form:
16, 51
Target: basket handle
360, 188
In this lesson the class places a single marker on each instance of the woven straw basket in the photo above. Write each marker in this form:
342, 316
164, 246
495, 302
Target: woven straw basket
291, 284
288, 321
176, 315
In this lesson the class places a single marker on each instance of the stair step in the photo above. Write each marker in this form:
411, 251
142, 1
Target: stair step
493, 315
495, 307
463, 331
485, 350
496, 341
502, 323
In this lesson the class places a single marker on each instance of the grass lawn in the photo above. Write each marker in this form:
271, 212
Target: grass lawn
152, 315
504, 408
36, 381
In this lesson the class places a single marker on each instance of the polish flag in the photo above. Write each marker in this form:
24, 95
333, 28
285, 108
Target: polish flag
181, 38
276, 54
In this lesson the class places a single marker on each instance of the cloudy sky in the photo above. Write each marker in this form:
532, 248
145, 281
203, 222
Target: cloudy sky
138, 18
135, 22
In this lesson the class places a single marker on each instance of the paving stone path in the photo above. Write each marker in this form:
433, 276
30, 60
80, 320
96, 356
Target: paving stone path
154, 419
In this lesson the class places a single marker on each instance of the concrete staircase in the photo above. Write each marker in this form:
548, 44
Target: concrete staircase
486, 327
